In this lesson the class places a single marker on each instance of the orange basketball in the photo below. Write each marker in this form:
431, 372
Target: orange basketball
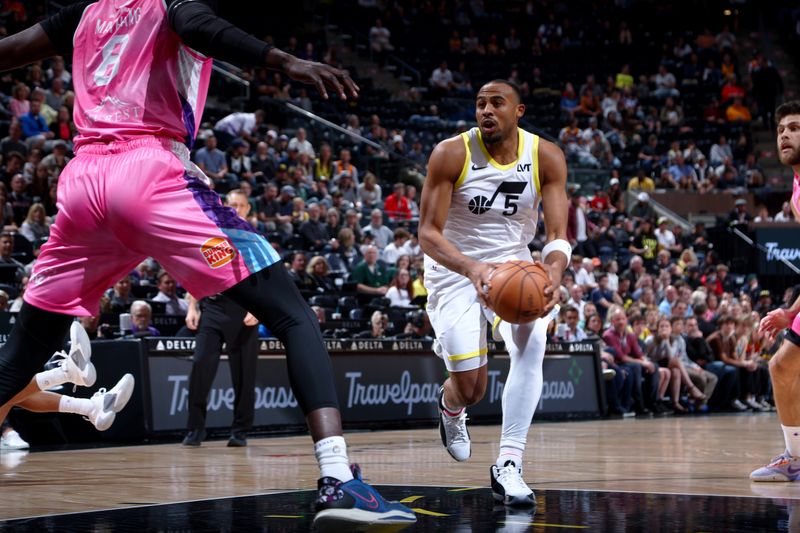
517, 291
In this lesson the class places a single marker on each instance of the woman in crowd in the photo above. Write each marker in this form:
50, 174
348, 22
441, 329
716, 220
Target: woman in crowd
318, 270
666, 349
400, 289
36, 226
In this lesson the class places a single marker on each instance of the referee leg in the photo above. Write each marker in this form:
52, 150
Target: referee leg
243, 357
205, 361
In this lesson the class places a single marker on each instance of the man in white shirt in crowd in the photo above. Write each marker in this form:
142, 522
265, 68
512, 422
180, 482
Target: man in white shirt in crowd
167, 293
576, 299
397, 247
664, 235
381, 234
585, 276
572, 332
300, 143
244, 125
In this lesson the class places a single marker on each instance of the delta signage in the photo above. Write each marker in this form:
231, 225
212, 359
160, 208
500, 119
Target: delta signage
372, 388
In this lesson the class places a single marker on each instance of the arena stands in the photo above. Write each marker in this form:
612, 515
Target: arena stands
640, 111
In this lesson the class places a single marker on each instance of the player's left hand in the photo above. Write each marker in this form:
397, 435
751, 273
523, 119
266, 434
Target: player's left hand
250, 320
553, 291
323, 77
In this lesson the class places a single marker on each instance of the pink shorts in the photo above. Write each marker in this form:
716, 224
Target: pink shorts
796, 324
122, 202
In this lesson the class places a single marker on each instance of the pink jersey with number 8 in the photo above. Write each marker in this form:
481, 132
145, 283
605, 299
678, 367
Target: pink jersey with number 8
119, 95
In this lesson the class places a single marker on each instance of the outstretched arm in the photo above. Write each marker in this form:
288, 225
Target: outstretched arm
27, 46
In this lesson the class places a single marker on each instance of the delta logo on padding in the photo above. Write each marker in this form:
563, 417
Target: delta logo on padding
217, 252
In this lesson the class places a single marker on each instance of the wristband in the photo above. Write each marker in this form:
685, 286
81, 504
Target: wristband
558, 245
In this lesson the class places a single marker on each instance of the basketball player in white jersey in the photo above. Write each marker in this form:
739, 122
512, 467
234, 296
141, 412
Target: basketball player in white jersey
479, 208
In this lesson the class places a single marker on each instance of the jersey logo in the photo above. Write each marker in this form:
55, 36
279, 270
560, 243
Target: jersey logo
476, 167
512, 190
524, 167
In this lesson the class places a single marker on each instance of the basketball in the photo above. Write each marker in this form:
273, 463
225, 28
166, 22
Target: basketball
517, 291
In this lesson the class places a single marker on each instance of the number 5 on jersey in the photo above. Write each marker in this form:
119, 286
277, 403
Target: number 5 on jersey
112, 51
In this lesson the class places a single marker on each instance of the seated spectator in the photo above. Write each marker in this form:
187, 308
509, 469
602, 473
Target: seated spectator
630, 358
589, 104
649, 160
667, 349
344, 167
14, 143
417, 328
785, 214
369, 192
721, 153
168, 293
263, 164
400, 289
379, 40
665, 83
333, 223
624, 79
211, 160
300, 143
313, 231
34, 125
239, 162
396, 205
318, 270
142, 319
344, 254
298, 272
739, 215
724, 363
36, 227
441, 80
379, 322
569, 101
381, 234
642, 209
737, 111
603, 297
19, 199
119, 296
371, 276
572, 332
397, 247
323, 165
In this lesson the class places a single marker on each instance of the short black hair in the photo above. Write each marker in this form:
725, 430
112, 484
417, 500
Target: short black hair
789, 108
509, 83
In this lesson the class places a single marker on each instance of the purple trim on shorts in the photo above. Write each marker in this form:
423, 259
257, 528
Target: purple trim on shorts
210, 202
188, 121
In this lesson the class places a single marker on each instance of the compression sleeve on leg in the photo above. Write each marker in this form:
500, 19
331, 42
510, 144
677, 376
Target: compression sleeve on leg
273, 298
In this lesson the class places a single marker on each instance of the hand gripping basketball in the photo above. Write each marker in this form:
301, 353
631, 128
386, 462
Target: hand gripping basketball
517, 291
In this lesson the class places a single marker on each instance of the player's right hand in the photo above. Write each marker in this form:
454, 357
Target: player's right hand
480, 274
775, 321
323, 77
192, 318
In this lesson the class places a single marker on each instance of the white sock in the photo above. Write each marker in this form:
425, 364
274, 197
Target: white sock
51, 378
331, 454
791, 434
510, 451
79, 406
525, 344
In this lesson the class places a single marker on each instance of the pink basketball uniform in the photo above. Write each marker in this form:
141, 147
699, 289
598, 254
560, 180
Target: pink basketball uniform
131, 192
796, 210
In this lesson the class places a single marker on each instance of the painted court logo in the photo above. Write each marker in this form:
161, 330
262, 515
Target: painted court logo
217, 252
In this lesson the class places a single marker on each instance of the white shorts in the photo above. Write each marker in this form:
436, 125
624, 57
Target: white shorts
460, 322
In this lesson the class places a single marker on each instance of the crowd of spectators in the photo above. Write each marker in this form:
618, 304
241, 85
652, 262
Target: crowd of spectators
672, 320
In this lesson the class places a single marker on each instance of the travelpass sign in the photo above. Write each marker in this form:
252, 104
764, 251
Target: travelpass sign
780, 244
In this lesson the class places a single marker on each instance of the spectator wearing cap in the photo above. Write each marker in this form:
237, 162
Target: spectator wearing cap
211, 161
57, 160
239, 162
168, 293
344, 167
724, 280
396, 205
300, 143
313, 231
641, 182
371, 276
739, 215
239, 125
764, 304
665, 237
642, 209
381, 234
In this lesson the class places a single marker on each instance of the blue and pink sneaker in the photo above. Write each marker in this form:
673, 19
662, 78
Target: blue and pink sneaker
354, 503
782, 468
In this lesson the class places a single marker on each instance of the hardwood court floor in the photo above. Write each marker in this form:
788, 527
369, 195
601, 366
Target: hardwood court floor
709, 455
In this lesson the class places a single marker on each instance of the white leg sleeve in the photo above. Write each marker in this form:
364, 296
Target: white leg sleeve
525, 344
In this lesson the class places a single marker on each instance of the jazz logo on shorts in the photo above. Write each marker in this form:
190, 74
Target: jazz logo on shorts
217, 252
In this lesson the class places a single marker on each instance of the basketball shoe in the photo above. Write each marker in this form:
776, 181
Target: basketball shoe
77, 365
782, 468
453, 430
108, 403
509, 487
343, 506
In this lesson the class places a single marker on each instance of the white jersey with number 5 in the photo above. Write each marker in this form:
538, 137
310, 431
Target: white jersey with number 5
494, 209
133, 76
